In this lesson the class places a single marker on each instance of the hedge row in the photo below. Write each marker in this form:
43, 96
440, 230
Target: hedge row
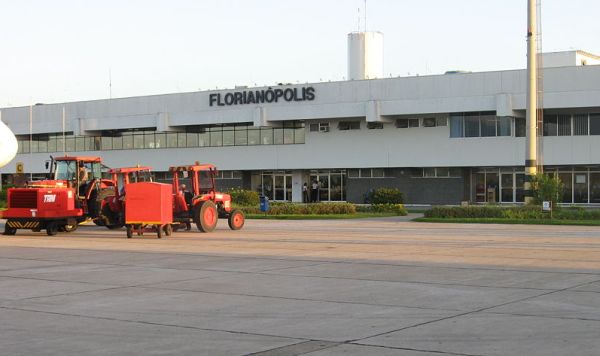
397, 209
305, 209
521, 212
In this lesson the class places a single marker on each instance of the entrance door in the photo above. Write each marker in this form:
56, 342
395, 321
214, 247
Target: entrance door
282, 184
507, 194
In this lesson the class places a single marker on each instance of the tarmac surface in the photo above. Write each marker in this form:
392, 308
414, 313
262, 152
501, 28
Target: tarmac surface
338, 287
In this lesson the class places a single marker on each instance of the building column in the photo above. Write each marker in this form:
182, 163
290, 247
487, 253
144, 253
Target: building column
297, 186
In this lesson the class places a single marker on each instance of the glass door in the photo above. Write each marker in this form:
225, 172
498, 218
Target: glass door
506, 181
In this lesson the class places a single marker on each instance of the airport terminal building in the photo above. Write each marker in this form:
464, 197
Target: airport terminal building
441, 139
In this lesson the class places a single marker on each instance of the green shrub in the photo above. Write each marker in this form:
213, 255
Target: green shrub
305, 209
386, 196
546, 188
398, 209
520, 212
242, 197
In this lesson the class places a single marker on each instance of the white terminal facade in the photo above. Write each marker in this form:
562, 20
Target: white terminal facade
441, 139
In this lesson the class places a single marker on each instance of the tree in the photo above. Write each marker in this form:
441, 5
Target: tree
546, 188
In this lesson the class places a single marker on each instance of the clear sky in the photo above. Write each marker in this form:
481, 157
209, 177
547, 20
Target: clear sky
63, 50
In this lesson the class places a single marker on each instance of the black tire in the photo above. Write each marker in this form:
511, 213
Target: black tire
129, 229
112, 217
52, 228
188, 226
236, 219
9, 231
206, 216
168, 229
159, 231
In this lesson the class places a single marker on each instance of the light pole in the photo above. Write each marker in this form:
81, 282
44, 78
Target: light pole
531, 109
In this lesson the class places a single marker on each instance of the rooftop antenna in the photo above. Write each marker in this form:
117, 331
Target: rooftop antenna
365, 16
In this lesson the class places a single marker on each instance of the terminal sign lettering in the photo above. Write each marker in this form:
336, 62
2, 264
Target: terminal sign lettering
262, 96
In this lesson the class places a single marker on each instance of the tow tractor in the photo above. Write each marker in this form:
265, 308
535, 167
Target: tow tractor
72, 194
203, 205
112, 210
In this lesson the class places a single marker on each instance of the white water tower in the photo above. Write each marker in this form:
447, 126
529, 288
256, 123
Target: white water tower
365, 55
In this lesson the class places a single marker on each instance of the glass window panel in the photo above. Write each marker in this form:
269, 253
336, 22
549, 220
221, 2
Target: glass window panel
149, 140
519, 187
429, 122
456, 126
455, 172
567, 179
160, 140
314, 127
507, 187
429, 172
43, 146
299, 135
488, 126
504, 124
365, 173
378, 172
492, 187
595, 188
216, 138
237, 174
204, 139
402, 123
70, 144
79, 143
138, 141
254, 136
442, 172
34, 146
441, 121
117, 143
353, 173
550, 125
374, 125
172, 140
277, 136
580, 188
24, 146
520, 127
472, 126
241, 136
106, 143
127, 142
580, 124
564, 125
413, 122
266, 136
191, 139
181, 141
228, 138
594, 124
60, 144
288, 136
52, 144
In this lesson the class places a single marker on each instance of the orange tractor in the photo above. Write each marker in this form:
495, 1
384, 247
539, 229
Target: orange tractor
202, 205
73, 193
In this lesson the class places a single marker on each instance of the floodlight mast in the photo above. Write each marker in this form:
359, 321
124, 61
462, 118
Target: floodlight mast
531, 109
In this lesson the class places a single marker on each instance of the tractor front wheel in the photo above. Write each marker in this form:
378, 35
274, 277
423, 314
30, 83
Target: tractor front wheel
236, 219
52, 228
9, 231
206, 216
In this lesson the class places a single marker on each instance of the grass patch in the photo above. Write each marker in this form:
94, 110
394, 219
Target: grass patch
510, 221
319, 217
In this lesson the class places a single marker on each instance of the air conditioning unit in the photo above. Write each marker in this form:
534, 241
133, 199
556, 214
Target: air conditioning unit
324, 127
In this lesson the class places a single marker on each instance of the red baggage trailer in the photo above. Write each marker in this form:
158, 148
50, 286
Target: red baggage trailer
148, 204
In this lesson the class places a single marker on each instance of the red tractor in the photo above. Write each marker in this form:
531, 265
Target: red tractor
72, 194
202, 205
112, 205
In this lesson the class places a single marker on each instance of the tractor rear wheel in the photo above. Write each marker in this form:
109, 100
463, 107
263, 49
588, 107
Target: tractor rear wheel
236, 219
206, 216
52, 228
70, 228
